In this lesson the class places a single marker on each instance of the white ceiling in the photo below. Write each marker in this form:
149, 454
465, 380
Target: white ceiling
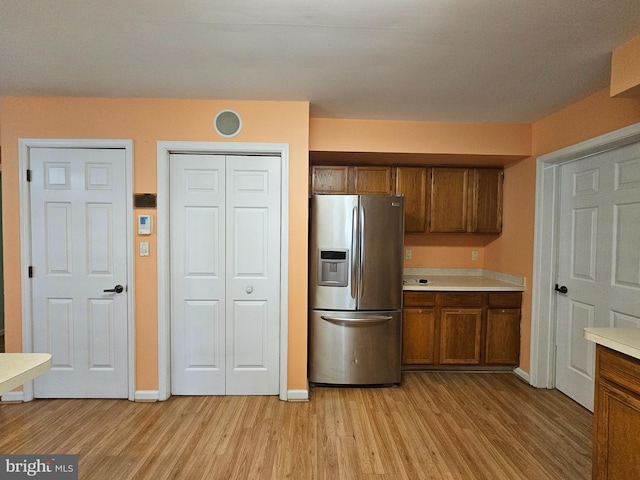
434, 60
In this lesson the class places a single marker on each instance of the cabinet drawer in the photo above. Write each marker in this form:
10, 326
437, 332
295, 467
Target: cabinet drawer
505, 300
619, 368
420, 299
462, 299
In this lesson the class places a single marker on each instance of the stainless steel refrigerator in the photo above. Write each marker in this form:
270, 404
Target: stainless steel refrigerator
355, 289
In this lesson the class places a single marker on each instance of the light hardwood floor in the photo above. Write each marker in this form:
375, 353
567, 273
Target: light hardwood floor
437, 425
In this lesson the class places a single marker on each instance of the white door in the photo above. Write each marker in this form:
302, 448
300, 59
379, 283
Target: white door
79, 250
599, 260
225, 274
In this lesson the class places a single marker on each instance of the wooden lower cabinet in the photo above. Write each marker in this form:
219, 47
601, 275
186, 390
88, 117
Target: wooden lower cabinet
502, 338
502, 344
419, 319
616, 442
418, 342
461, 329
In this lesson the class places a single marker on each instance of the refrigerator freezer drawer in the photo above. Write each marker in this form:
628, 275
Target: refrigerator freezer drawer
354, 348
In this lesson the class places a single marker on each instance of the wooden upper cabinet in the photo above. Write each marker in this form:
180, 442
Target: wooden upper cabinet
338, 179
412, 183
329, 179
487, 200
449, 200
466, 200
373, 180
436, 199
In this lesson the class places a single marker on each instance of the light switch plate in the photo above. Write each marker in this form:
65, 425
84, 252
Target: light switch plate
144, 249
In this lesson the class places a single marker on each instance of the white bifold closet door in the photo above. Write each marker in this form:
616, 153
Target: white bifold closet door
225, 274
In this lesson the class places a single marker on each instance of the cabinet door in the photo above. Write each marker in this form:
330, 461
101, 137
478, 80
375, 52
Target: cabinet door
460, 330
329, 179
412, 182
616, 451
449, 204
487, 200
373, 180
418, 336
502, 345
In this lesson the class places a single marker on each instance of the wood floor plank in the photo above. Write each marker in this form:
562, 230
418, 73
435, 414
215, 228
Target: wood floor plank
437, 425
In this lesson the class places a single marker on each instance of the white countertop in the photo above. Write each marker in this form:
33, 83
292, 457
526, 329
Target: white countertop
623, 340
18, 368
461, 280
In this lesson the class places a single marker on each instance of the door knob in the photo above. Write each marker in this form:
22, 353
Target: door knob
116, 289
562, 289
249, 289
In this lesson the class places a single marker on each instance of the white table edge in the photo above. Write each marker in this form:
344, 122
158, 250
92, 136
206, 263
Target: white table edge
19, 368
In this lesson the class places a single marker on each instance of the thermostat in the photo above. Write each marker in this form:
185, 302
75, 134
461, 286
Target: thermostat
144, 225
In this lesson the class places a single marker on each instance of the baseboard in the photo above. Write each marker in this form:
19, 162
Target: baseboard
12, 397
146, 396
298, 395
523, 375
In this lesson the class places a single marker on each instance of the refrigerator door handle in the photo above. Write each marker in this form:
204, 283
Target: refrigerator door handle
354, 250
362, 252
355, 321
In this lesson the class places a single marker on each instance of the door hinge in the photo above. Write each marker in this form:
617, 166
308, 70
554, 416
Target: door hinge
28, 175
30, 271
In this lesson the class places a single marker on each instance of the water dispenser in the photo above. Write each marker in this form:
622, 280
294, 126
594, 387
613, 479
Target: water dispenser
333, 267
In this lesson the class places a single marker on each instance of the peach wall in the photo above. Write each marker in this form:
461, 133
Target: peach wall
625, 69
148, 121
446, 251
513, 251
343, 135
593, 116
479, 140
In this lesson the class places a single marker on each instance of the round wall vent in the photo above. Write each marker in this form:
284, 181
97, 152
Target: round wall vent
227, 123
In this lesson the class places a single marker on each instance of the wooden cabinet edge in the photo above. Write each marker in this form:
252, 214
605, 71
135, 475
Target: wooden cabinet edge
617, 379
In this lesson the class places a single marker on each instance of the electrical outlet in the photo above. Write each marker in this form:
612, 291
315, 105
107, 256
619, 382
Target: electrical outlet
474, 254
407, 254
